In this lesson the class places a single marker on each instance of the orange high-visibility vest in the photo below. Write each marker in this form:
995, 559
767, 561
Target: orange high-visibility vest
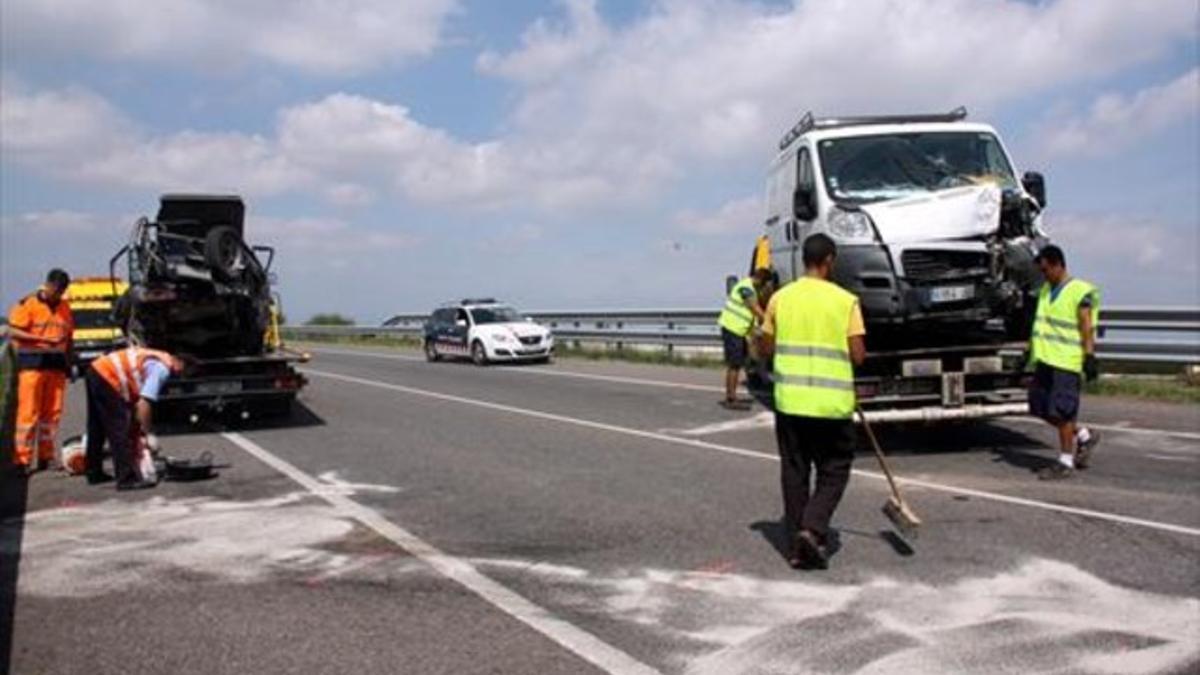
123, 369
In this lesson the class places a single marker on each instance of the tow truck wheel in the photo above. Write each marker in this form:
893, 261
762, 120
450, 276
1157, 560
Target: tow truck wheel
431, 353
478, 354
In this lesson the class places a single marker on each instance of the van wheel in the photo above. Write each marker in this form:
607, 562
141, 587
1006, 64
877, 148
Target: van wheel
431, 353
478, 354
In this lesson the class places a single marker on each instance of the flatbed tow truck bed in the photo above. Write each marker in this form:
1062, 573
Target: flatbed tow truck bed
243, 387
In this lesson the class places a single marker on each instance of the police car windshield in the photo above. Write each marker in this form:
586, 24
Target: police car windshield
484, 315
863, 169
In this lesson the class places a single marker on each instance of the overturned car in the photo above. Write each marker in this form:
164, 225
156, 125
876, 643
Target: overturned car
198, 290
935, 234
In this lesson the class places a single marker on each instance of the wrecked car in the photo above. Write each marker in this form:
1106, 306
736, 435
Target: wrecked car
935, 233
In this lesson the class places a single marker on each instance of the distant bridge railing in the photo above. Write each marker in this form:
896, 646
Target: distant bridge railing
1169, 335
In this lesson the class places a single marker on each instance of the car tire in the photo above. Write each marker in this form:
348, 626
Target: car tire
223, 252
478, 354
431, 353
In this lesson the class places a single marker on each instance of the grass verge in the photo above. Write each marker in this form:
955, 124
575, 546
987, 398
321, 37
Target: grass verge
1167, 388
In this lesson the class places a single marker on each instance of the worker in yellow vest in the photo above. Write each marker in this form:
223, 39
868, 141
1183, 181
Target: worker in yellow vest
741, 313
1062, 353
815, 330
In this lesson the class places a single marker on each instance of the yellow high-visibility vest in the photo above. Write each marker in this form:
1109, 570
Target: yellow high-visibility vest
814, 376
737, 317
1057, 340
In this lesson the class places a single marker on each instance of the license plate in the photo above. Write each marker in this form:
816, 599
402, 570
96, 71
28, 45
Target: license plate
218, 387
951, 293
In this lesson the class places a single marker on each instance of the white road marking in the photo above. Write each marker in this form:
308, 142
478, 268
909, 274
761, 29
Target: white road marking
1121, 426
763, 420
742, 452
1168, 458
532, 370
574, 639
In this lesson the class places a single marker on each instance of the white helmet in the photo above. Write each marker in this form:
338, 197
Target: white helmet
72, 456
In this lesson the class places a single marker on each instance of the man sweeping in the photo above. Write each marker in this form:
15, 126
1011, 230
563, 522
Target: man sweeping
815, 329
120, 389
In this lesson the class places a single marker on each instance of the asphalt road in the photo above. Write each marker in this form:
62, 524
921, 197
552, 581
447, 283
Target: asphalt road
587, 517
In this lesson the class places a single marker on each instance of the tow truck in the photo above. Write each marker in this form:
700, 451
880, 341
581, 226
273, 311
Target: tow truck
199, 291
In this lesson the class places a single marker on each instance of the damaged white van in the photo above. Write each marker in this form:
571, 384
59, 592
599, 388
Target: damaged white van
935, 233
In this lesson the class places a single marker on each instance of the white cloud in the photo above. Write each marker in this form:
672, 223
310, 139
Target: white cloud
56, 222
736, 216
321, 36
1106, 239
1115, 122
548, 50
604, 116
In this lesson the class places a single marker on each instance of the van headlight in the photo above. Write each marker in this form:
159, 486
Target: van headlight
850, 226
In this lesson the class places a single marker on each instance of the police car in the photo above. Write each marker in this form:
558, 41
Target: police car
485, 331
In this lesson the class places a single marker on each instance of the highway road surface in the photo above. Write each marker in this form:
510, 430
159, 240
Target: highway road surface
601, 517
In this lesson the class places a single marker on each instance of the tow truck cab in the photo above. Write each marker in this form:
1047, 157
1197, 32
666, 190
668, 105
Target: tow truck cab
92, 300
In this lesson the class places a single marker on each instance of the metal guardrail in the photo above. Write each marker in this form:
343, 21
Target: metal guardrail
697, 328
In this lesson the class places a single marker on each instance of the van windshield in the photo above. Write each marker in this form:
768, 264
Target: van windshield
484, 315
863, 169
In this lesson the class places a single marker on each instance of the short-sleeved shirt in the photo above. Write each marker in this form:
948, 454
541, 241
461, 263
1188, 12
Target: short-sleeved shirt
855, 328
1055, 290
154, 374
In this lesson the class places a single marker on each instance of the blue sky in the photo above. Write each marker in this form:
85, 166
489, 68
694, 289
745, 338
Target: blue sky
569, 153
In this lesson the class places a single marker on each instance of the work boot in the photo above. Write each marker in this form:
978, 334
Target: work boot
807, 554
735, 404
1059, 471
99, 478
136, 485
1083, 451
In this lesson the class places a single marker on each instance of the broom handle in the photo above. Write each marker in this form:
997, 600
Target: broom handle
878, 453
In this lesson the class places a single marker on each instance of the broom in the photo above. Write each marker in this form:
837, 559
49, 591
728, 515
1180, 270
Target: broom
896, 509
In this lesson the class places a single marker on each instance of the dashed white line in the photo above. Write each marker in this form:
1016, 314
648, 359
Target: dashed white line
575, 639
742, 452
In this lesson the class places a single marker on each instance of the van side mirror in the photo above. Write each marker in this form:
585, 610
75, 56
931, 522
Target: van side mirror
1035, 185
804, 203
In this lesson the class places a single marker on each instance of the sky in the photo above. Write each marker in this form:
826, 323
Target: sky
568, 154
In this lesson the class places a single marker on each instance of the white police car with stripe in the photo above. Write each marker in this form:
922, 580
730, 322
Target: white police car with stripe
485, 331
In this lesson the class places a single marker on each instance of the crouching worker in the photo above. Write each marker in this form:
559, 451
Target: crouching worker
120, 388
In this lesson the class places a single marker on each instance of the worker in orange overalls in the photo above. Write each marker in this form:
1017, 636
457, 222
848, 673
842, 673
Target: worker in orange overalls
121, 385
41, 326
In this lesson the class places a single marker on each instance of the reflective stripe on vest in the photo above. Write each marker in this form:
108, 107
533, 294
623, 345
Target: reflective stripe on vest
736, 317
122, 370
1056, 340
814, 376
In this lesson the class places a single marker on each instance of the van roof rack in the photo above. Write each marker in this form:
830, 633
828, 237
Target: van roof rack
809, 122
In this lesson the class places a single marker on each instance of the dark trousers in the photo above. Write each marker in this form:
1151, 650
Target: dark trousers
805, 444
108, 418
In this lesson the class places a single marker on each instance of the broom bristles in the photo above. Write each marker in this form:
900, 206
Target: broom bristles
902, 515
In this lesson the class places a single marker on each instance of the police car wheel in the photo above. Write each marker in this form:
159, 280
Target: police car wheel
431, 353
478, 354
